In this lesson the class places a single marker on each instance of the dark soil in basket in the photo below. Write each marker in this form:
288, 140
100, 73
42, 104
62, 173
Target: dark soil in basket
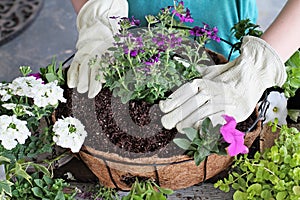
131, 130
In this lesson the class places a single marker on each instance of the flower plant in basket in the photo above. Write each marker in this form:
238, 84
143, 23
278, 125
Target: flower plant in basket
27, 131
148, 63
145, 64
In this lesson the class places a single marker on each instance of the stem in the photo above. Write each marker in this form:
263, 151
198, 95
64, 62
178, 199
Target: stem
121, 78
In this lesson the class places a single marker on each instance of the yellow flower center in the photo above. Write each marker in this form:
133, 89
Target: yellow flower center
275, 109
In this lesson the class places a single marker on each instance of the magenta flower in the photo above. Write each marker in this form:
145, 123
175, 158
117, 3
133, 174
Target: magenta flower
234, 137
37, 76
183, 15
205, 30
135, 22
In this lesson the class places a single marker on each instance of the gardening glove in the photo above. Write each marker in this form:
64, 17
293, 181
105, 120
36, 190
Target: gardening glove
96, 30
232, 89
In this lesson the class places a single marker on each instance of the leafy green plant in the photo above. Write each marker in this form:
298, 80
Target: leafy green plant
273, 174
27, 131
293, 75
147, 190
105, 193
53, 72
241, 29
201, 143
142, 63
20, 184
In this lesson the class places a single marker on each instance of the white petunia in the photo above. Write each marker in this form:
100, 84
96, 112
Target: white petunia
12, 131
5, 96
69, 133
277, 108
26, 86
51, 94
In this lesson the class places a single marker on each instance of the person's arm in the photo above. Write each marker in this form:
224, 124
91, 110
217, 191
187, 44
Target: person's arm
284, 33
77, 4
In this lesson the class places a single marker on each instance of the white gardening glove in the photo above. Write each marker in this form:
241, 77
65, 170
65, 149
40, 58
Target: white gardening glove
232, 89
96, 30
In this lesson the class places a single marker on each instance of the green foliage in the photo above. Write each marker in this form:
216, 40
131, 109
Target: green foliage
273, 174
53, 72
105, 193
147, 190
139, 68
41, 188
293, 75
20, 184
201, 143
244, 28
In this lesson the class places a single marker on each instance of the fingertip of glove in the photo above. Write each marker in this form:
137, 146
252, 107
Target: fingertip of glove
166, 123
162, 107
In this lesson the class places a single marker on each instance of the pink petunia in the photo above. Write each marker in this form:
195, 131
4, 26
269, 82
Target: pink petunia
234, 137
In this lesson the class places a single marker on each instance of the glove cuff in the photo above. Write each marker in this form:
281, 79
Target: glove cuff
95, 10
266, 57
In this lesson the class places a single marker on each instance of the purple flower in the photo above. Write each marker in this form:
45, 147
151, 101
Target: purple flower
197, 31
205, 30
37, 76
166, 41
183, 15
134, 53
152, 60
135, 22
234, 137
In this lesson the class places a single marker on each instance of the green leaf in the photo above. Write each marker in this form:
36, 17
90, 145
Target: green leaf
191, 133
4, 159
182, 143
238, 195
20, 172
39, 182
281, 195
254, 188
293, 114
50, 77
199, 156
5, 186
206, 125
166, 191
236, 186
37, 192
59, 196
266, 194
48, 180
41, 168
296, 190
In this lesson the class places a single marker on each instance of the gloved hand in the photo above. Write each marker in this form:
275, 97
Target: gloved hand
232, 89
96, 30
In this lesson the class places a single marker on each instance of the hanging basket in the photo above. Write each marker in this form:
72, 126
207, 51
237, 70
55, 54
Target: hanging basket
176, 172
117, 163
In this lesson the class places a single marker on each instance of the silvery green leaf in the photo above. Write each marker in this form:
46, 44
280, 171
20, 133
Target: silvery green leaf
182, 143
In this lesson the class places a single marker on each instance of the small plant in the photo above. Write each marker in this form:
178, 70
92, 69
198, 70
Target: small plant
142, 63
53, 73
147, 190
27, 131
201, 143
241, 29
19, 184
293, 75
273, 174
219, 139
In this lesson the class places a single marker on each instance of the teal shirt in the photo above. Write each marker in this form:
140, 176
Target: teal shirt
220, 13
